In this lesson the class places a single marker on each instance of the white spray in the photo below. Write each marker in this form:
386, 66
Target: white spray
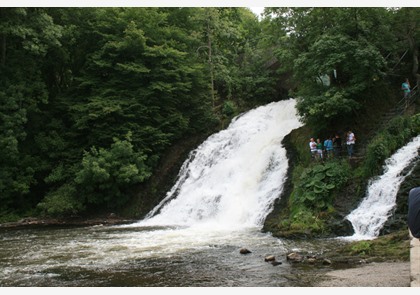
232, 179
376, 207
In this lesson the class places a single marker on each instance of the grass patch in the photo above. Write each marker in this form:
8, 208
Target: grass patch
392, 247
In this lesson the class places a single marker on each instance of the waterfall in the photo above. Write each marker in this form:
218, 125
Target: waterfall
232, 179
376, 207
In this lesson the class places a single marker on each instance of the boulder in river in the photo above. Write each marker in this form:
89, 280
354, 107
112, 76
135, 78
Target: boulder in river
244, 251
296, 257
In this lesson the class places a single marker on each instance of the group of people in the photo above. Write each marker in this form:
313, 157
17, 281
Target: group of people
332, 146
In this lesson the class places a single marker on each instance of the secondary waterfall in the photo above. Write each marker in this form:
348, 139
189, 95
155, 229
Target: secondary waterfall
232, 179
376, 207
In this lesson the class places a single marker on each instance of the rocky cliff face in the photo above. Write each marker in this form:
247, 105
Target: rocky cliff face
346, 201
149, 194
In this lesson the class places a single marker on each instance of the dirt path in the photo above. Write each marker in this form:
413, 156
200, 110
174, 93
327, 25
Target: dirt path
384, 274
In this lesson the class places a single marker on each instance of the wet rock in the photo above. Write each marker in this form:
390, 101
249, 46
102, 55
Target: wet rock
274, 263
244, 251
272, 260
326, 262
29, 220
295, 257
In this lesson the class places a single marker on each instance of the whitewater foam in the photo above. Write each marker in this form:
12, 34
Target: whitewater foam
375, 209
232, 179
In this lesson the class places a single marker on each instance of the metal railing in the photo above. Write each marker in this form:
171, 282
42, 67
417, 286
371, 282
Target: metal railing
399, 109
404, 103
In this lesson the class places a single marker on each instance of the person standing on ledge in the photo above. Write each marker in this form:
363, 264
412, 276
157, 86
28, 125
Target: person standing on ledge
405, 86
414, 212
337, 145
312, 146
350, 141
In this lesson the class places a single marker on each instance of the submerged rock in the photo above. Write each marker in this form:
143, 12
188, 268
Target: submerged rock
244, 251
272, 260
274, 263
296, 257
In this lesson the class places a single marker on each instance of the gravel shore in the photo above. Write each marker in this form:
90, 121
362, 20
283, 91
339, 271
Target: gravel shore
384, 274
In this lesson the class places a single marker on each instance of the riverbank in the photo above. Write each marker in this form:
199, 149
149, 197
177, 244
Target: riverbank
110, 219
378, 274
415, 262
383, 274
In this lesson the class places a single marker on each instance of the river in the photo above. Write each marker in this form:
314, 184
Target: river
136, 256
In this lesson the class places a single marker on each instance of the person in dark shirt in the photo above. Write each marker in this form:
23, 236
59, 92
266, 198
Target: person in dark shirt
337, 145
414, 212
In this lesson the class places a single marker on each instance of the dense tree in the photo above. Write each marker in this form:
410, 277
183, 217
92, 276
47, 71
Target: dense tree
27, 35
76, 81
336, 55
406, 23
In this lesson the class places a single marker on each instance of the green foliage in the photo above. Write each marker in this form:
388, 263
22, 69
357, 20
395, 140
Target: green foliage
392, 247
6, 216
397, 133
229, 109
311, 201
362, 248
106, 175
301, 220
73, 79
355, 63
346, 45
27, 35
316, 185
62, 202
326, 106
305, 220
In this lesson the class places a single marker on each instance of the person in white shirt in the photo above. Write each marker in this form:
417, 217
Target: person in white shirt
351, 140
312, 147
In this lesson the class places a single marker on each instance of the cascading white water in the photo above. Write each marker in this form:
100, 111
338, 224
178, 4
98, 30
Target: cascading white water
232, 179
376, 207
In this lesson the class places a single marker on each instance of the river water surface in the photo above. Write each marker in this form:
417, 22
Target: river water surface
136, 256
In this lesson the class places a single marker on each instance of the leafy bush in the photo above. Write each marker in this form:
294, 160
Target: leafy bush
304, 219
229, 108
6, 216
61, 203
106, 175
316, 185
399, 131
